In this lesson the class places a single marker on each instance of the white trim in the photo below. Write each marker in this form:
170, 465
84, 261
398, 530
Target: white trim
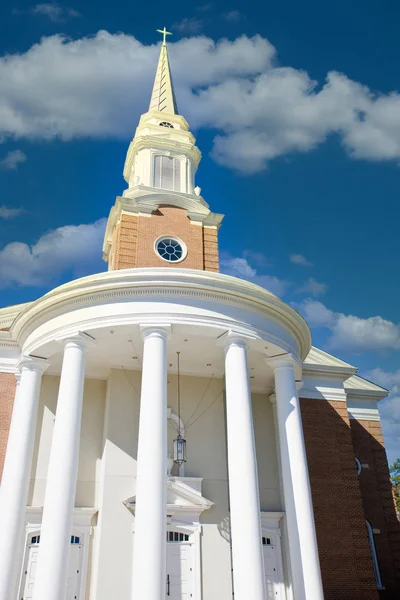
364, 414
175, 238
270, 526
321, 393
374, 556
184, 517
81, 527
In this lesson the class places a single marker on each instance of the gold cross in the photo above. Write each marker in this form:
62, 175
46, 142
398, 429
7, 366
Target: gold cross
165, 33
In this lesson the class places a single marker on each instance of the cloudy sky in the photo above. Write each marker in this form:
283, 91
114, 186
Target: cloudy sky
296, 108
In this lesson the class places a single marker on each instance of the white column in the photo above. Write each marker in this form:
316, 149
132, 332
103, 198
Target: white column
17, 470
52, 568
304, 558
149, 552
247, 551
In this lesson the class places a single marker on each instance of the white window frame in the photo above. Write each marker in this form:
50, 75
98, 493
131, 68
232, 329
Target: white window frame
171, 237
372, 546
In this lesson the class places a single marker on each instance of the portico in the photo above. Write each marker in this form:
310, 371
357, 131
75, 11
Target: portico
241, 354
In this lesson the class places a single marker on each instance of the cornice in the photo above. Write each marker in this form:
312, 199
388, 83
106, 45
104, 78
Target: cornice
144, 200
339, 372
142, 194
151, 282
8, 314
364, 414
323, 394
156, 138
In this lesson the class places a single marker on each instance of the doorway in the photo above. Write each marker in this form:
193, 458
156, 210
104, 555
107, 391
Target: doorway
180, 566
74, 570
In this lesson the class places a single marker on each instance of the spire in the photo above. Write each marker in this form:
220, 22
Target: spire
163, 97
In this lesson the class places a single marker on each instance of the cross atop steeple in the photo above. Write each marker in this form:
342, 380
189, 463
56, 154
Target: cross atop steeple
162, 97
165, 33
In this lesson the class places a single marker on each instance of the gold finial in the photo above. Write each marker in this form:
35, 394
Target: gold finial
165, 33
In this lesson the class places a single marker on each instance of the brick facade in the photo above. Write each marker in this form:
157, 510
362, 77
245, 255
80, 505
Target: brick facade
134, 236
345, 557
377, 497
7, 394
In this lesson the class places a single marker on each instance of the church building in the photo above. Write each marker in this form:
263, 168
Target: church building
168, 432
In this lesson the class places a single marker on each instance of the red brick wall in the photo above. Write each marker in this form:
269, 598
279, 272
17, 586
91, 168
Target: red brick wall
7, 393
377, 497
346, 563
134, 236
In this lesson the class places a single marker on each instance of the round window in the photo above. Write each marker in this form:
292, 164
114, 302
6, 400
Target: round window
170, 249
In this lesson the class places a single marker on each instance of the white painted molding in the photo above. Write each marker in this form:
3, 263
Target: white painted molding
109, 287
364, 414
321, 393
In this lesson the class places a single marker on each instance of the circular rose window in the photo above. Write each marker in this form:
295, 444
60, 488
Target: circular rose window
170, 249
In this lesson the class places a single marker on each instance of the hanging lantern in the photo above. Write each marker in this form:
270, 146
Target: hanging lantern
179, 450
179, 443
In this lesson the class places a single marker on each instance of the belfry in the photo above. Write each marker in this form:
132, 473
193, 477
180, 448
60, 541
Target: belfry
168, 432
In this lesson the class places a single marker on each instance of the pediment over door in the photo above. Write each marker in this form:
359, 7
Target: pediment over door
184, 499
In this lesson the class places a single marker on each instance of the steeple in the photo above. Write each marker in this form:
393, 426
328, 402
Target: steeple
161, 220
163, 97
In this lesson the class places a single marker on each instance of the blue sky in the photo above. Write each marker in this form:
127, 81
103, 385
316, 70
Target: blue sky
296, 110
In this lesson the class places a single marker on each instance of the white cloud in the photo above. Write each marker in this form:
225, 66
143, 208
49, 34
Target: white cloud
313, 287
96, 86
257, 258
349, 332
12, 159
389, 410
233, 16
315, 313
240, 267
189, 25
73, 248
54, 11
9, 213
299, 259
389, 380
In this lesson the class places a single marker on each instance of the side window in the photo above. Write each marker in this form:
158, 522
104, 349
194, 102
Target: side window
374, 556
167, 173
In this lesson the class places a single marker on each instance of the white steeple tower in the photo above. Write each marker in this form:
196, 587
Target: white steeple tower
160, 169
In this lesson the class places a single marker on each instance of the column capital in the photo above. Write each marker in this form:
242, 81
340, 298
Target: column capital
155, 329
79, 338
281, 361
234, 338
32, 363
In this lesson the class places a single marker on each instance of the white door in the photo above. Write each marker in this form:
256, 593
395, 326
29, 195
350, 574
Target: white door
30, 570
270, 566
180, 567
74, 570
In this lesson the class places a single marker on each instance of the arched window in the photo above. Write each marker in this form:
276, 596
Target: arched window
374, 557
167, 173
